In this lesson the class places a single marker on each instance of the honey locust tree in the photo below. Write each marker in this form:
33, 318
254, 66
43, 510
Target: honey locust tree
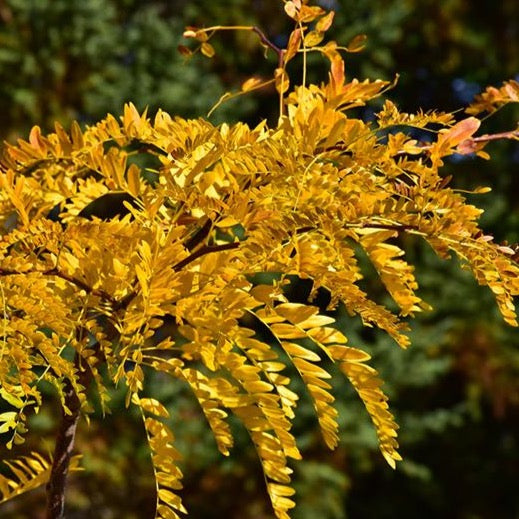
110, 232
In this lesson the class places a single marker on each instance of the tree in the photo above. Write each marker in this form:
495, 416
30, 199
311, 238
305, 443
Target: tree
168, 246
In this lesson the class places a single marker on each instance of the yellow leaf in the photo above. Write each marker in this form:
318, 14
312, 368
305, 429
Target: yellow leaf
291, 10
228, 221
298, 351
286, 331
310, 369
325, 22
296, 312
153, 406
313, 38
281, 80
250, 84
133, 175
207, 49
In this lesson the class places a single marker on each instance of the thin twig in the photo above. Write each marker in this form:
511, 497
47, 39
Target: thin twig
263, 38
495, 136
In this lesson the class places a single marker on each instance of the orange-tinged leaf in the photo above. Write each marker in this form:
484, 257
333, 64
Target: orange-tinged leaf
325, 22
337, 72
357, 43
310, 13
36, 140
185, 51
294, 43
250, 84
460, 132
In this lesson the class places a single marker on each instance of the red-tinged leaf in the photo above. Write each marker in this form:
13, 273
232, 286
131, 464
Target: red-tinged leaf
460, 132
467, 147
357, 44
36, 139
337, 71
512, 89
294, 43
207, 50
325, 22
185, 51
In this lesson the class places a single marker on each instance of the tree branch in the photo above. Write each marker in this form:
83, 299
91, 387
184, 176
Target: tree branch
207, 249
513, 134
62, 454
64, 445
280, 52
57, 273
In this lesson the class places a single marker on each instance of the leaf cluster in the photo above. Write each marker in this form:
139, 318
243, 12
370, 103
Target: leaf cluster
198, 212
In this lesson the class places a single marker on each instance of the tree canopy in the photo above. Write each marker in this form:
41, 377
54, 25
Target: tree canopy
110, 233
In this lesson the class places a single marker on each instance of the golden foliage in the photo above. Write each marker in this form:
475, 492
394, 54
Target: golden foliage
494, 98
109, 232
30, 472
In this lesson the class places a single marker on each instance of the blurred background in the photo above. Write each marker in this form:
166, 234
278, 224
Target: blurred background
455, 393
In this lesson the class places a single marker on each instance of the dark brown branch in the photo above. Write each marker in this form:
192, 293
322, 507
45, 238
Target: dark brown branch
512, 134
64, 445
200, 235
207, 249
80, 284
390, 227
280, 52
62, 454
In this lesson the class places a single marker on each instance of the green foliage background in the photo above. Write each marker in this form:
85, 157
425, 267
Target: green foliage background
455, 392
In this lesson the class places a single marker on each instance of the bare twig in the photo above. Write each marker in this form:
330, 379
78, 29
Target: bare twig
280, 52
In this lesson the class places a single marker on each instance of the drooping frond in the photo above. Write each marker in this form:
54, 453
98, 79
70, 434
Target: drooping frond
367, 382
164, 456
30, 472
